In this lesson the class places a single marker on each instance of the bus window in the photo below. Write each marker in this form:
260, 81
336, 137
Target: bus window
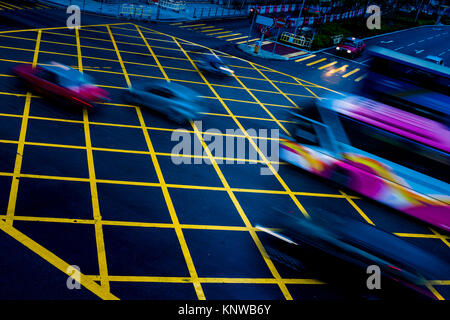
402, 151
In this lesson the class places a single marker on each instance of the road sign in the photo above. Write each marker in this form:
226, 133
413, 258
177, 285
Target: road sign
264, 20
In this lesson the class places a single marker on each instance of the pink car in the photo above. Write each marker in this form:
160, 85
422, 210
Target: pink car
351, 47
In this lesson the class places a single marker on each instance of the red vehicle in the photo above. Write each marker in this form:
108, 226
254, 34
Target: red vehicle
351, 47
60, 81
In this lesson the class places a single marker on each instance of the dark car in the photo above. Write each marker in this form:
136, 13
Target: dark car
60, 81
179, 103
212, 64
340, 249
351, 47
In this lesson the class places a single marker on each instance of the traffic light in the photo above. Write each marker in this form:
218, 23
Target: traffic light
251, 14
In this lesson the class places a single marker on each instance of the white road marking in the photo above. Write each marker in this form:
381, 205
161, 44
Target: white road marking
411, 44
399, 48
421, 40
419, 51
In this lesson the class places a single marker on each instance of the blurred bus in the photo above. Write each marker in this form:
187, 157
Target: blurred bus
392, 156
410, 83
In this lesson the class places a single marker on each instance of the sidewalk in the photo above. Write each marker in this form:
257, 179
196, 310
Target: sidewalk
193, 11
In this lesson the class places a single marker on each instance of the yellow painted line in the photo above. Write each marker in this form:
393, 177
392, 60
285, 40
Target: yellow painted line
237, 38
434, 291
441, 237
56, 261
193, 25
440, 282
210, 30
208, 27
153, 54
339, 69
100, 243
350, 73
222, 32
241, 212
317, 61
305, 58
360, 78
167, 198
229, 35
328, 65
245, 41
10, 6
20, 147
353, 204
176, 23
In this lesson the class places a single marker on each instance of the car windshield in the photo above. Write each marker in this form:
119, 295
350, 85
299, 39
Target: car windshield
350, 43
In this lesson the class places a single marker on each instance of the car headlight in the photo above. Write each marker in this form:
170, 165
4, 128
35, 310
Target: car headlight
337, 48
348, 51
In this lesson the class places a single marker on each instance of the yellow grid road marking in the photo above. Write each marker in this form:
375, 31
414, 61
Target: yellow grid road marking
20, 146
56, 261
100, 243
167, 198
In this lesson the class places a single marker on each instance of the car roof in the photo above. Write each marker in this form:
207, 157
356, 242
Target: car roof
65, 71
176, 88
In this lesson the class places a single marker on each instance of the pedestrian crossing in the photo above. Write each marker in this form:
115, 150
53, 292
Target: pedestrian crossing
21, 5
213, 31
332, 67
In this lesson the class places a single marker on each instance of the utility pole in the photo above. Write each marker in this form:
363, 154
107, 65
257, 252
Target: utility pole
298, 18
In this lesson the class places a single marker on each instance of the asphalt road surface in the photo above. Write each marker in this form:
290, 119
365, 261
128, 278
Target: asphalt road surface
101, 189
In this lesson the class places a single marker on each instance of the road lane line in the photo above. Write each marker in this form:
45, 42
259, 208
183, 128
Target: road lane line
212, 30
317, 61
214, 33
229, 35
360, 78
192, 25
57, 262
152, 53
241, 212
182, 241
236, 38
10, 211
305, 58
333, 71
99, 239
350, 73
328, 65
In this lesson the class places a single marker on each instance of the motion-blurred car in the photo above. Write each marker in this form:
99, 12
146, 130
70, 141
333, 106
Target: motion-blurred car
214, 65
179, 103
343, 247
351, 47
60, 81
